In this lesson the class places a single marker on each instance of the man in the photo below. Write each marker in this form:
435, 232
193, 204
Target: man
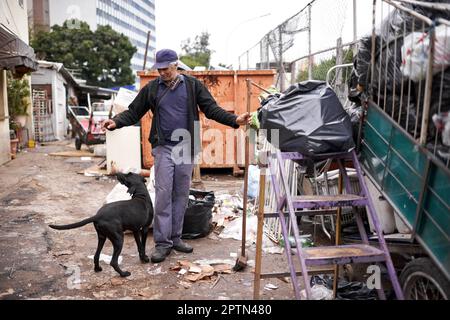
174, 100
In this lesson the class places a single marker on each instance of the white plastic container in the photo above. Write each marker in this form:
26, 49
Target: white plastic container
400, 225
383, 209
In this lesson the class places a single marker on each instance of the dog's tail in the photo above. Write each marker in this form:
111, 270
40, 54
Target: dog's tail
74, 225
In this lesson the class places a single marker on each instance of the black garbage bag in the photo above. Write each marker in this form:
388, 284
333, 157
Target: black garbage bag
346, 290
310, 120
198, 216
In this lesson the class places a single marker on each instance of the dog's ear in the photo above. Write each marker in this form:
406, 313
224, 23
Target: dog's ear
132, 190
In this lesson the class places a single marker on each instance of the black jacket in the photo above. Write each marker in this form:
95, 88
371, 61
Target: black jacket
197, 94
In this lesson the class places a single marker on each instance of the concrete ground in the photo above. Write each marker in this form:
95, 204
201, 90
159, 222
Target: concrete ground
37, 262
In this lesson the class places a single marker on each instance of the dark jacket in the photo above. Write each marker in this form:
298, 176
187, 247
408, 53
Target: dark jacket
197, 95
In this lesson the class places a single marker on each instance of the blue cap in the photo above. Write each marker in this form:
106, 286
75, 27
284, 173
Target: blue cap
165, 57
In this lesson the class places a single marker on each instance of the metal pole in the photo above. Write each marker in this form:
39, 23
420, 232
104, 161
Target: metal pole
146, 49
309, 44
281, 59
268, 52
261, 50
429, 85
355, 20
247, 161
339, 61
355, 27
248, 60
372, 62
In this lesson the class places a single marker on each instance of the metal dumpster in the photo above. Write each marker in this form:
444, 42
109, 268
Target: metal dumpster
219, 144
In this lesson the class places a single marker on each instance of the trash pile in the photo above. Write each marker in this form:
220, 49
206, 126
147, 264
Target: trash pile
401, 60
227, 216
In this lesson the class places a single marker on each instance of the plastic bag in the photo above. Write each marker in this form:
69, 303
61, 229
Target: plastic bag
310, 120
415, 53
345, 290
253, 182
198, 216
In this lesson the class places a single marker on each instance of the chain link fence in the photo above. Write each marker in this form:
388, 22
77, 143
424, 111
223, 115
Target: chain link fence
305, 46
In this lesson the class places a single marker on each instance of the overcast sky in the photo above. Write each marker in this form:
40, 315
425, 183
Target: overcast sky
237, 25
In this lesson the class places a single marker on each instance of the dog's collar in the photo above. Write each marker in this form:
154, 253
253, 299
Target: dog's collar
139, 198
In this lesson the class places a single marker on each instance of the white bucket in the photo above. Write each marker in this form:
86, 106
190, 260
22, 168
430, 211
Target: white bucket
383, 209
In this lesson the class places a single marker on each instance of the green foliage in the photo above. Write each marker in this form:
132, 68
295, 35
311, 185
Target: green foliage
18, 96
103, 56
197, 53
319, 71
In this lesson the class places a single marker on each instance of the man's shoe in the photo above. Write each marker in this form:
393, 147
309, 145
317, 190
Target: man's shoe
183, 247
160, 254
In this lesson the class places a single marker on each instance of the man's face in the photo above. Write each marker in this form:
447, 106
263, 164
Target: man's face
168, 74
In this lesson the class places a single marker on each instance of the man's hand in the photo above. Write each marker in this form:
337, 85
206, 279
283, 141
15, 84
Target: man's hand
109, 125
244, 119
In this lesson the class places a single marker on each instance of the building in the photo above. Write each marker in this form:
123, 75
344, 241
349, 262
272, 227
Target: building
58, 85
15, 56
133, 18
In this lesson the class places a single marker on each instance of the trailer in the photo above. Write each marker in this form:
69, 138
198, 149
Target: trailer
402, 151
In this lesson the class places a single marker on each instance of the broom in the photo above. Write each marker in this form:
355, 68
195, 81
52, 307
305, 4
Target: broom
241, 262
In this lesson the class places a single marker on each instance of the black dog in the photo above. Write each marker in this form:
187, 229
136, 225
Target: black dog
114, 218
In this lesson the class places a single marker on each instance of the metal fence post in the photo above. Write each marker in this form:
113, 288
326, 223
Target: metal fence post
310, 63
428, 85
281, 71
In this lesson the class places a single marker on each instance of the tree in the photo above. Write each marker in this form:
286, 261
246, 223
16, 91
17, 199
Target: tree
197, 53
103, 56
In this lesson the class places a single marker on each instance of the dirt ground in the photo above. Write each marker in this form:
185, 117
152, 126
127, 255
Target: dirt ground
37, 262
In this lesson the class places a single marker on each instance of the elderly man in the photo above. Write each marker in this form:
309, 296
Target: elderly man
174, 100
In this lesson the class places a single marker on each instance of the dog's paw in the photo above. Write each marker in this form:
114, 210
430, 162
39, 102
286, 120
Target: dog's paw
125, 274
145, 259
98, 269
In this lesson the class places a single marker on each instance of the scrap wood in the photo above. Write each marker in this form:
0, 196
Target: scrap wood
94, 171
195, 269
74, 154
194, 277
